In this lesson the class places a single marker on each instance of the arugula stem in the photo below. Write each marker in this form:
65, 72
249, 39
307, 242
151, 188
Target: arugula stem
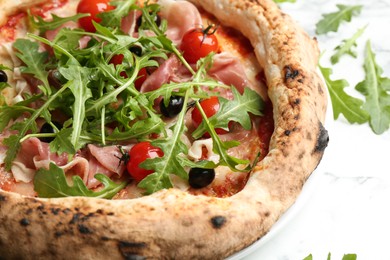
102, 100
53, 45
27, 125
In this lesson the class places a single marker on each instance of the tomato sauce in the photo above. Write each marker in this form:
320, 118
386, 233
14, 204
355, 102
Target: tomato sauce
44, 8
8, 30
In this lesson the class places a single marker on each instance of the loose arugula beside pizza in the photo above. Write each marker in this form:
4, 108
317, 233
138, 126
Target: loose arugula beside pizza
152, 130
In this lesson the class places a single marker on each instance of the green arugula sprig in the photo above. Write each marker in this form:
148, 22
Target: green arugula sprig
331, 22
52, 183
346, 47
42, 25
345, 257
342, 103
376, 90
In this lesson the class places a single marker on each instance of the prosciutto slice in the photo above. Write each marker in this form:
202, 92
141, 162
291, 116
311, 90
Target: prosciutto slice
35, 154
227, 69
182, 16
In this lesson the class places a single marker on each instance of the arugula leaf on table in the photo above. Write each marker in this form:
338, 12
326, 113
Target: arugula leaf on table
345, 257
331, 22
376, 89
346, 47
349, 257
52, 183
342, 103
40, 24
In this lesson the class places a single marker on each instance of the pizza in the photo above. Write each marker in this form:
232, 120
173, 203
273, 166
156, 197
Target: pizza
168, 129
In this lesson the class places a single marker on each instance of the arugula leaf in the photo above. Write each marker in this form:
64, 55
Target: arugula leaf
78, 79
236, 110
342, 103
62, 143
345, 257
114, 17
349, 257
13, 142
7, 113
39, 23
346, 47
52, 183
376, 90
331, 22
96, 97
34, 60
173, 147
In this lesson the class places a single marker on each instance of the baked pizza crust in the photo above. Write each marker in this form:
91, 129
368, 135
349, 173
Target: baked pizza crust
175, 224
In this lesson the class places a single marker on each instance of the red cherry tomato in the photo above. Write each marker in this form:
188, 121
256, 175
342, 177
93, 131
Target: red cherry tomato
138, 154
118, 59
210, 107
197, 44
92, 7
142, 75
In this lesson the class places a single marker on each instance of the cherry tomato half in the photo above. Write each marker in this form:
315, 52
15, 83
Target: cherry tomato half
198, 43
92, 7
138, 154
210, 107
142, 75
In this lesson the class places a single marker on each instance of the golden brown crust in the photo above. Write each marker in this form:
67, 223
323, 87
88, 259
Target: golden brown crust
174, 224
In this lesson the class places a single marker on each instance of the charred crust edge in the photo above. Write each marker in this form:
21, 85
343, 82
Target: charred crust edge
290, 73
129, 250
322, 139
218, 221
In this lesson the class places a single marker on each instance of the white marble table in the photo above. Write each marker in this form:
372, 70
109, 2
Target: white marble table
345, 206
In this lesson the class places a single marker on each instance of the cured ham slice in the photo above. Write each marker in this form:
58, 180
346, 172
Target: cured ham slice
179, 24
35, 154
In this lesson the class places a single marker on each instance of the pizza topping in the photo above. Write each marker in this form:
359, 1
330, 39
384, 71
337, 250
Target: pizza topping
198, 43
175, 105
94, 8
210, 107
108, 91
52, 183
50, 129
3, 76
179, 24
199, 177
137, 155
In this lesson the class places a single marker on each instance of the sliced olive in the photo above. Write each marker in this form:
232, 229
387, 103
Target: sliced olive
174, 107
56, 79
137, 50
48, 129
199, 177
3, 76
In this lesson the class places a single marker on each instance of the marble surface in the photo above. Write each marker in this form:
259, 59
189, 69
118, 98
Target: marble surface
345, 206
